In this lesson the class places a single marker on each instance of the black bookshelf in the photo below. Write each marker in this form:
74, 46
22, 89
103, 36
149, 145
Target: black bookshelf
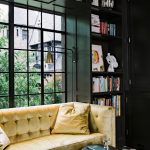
114, 45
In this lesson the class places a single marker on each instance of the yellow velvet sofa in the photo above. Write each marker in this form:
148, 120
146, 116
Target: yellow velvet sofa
30, 128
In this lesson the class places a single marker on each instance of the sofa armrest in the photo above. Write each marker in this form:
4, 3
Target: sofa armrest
102, 119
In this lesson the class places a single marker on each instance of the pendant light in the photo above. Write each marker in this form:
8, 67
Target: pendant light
49, 58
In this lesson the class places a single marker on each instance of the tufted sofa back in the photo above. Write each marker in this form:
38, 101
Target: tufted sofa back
102, 120
22, 124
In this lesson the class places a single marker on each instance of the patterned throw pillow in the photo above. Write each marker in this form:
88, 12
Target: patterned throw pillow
4, 140
72, 119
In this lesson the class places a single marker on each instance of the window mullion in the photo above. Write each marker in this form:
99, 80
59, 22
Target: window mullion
11, 54
54, 58
28, 53
42, 61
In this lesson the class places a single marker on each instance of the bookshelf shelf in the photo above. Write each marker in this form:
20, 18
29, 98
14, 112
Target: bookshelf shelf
107, 93
97, 9
97, 73
105, 37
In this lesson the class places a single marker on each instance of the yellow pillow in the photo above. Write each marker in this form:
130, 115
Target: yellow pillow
72, 119
4, 140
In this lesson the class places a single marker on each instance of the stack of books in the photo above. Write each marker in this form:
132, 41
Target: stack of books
101, 26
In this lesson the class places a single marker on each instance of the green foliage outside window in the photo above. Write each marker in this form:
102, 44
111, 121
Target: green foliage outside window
21, 82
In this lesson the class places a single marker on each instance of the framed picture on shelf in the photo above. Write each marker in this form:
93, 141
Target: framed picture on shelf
97, 58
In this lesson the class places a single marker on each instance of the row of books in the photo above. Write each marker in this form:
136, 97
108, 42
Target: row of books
102, 27
114, 101
106, 84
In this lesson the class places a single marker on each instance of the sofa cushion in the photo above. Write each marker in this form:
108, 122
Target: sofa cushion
4, 140
72, 119
58, 142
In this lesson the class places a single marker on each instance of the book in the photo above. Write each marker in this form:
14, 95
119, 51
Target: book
95, 21
102, 84
97, 58
96, 85
101, 101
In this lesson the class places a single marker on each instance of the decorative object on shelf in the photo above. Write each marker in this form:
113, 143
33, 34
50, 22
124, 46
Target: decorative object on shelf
97, 58
95, 2
112, 62
107, 4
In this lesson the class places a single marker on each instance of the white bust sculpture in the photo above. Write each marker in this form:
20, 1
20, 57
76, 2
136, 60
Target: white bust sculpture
112, 62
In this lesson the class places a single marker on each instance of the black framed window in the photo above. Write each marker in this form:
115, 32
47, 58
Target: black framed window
37, 36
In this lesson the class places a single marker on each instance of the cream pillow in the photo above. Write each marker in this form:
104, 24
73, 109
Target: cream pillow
72, 119
4, 140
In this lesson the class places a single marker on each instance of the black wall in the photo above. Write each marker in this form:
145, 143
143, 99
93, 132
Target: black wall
139, 94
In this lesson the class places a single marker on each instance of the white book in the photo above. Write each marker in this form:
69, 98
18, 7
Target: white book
106, 84
102, 84
96, 85
95, 29
119, 105
95, 21
95, 2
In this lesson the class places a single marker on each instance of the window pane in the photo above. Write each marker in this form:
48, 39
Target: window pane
48, 21
34, 39
34, 100
48, 99
4, 13
20, 16
58, 23
34, 18
20, 83
59, 41
4, 83
4, 102
21, 101
34, 61
60, 82
3, 60
4, 35
59, 97
48, 67
34, 83
20, 38
59, 62
20, 61
48, 40
48, 82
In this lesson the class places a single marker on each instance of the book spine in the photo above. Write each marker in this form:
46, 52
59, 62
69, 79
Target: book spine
114, 30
